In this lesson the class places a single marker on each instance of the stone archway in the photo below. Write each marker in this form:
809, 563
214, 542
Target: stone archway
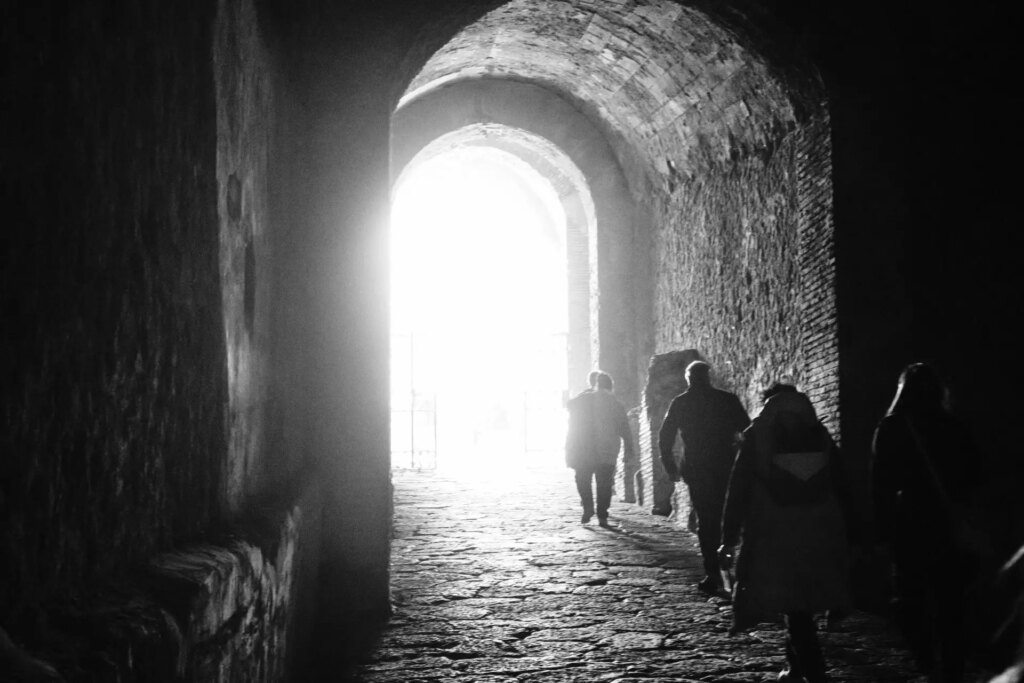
546, 132
721, 145
721, 138
577, 205
719, 131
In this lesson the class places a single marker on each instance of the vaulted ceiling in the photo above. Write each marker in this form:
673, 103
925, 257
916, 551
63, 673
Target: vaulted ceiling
660, 78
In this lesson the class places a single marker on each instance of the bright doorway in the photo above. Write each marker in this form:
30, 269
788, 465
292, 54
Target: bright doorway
479, 314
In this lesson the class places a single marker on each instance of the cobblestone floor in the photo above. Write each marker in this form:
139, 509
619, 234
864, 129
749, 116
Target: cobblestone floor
496, 581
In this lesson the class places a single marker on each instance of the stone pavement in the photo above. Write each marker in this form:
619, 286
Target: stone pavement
496, 581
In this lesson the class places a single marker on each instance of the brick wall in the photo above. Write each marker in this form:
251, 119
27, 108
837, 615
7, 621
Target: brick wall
745, 274
819, 321
728, 272
666, 379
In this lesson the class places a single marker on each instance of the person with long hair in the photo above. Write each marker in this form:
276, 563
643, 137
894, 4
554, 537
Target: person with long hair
925, 470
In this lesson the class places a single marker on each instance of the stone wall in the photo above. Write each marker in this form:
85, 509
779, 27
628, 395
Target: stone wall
114, 363
245, 78
728, 274
666, 379
140, 538
239, 603
230, 610
628, 479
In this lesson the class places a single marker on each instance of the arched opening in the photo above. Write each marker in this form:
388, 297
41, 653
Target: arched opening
708, 163
707, 146
479, 308
563, 146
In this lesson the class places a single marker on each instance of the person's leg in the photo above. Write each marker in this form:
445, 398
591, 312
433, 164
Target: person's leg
951, 649
709, 530
583, 477
803, 651
605, 478
792, 670
912, 609
947, 604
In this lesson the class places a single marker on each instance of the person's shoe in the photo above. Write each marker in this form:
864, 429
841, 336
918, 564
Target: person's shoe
787, 676
603, 521
586, 517
709, 585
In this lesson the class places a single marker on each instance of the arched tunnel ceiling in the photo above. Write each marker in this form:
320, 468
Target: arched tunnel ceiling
539, 153
674, 86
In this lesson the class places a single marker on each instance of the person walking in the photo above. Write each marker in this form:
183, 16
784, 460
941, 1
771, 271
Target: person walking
598, 428
925, 472
788, 501
709, 422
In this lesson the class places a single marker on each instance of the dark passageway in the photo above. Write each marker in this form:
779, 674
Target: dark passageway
195, 404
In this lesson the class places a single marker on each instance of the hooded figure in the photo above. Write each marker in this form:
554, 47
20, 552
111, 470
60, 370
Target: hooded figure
788, 498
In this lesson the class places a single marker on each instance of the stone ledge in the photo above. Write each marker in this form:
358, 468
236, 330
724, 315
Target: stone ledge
210, 611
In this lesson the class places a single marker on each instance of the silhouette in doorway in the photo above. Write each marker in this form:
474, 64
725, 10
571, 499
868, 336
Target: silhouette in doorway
598, 427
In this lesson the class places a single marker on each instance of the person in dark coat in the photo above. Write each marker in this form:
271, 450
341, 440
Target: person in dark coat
788, 503
709, 422
598, 429
925, 471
